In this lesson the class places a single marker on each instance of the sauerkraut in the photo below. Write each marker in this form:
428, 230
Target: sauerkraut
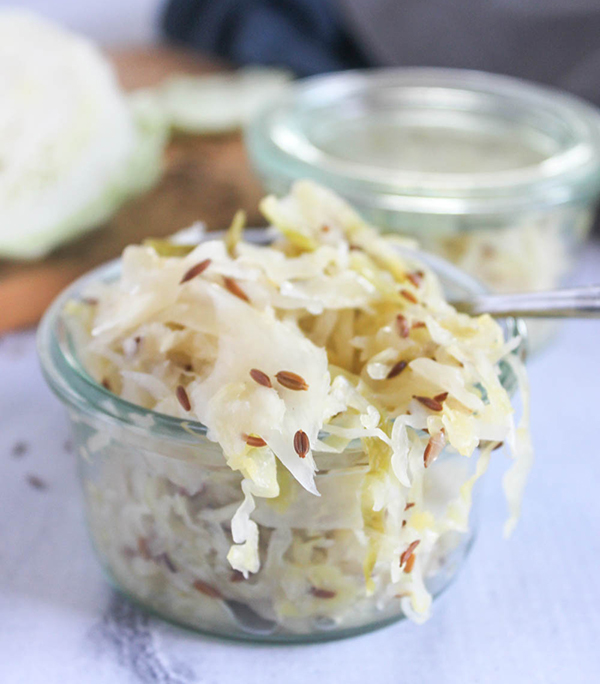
532, 252
350, 407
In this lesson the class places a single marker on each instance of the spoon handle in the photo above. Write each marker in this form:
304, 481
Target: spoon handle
577, 302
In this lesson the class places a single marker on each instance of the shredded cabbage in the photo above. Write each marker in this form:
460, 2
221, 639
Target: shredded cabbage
72, 147
532, 253
354, 407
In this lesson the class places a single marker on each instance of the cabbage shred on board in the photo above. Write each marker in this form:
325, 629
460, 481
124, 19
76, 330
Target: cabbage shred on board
331, 339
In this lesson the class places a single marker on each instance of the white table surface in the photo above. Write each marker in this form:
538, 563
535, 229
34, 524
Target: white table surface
526, 610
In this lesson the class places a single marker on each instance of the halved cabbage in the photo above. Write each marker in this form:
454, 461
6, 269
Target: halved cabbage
72, 147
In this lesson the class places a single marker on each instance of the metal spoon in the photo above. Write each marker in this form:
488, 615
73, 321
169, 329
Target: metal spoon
577, 302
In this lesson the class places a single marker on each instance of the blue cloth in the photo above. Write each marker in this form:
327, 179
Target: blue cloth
307, 36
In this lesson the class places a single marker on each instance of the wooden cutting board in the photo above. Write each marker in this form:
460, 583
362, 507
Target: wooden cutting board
205, 178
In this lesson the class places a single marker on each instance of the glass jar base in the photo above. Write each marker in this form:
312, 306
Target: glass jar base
253, 628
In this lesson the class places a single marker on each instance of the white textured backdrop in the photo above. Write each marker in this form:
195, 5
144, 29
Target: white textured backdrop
110, 22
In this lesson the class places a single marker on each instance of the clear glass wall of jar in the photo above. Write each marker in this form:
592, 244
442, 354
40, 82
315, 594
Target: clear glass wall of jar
159, 500
497, 175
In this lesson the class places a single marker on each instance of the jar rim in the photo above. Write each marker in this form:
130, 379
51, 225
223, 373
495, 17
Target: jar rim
283, 145
75, 387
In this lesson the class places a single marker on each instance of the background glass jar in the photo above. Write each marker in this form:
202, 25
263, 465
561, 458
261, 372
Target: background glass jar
159, 500
497, 175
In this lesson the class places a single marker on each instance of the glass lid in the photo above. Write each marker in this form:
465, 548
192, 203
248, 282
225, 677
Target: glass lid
432, 140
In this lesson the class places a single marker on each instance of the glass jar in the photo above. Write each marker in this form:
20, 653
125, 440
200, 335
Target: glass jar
159, 500
497, 175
